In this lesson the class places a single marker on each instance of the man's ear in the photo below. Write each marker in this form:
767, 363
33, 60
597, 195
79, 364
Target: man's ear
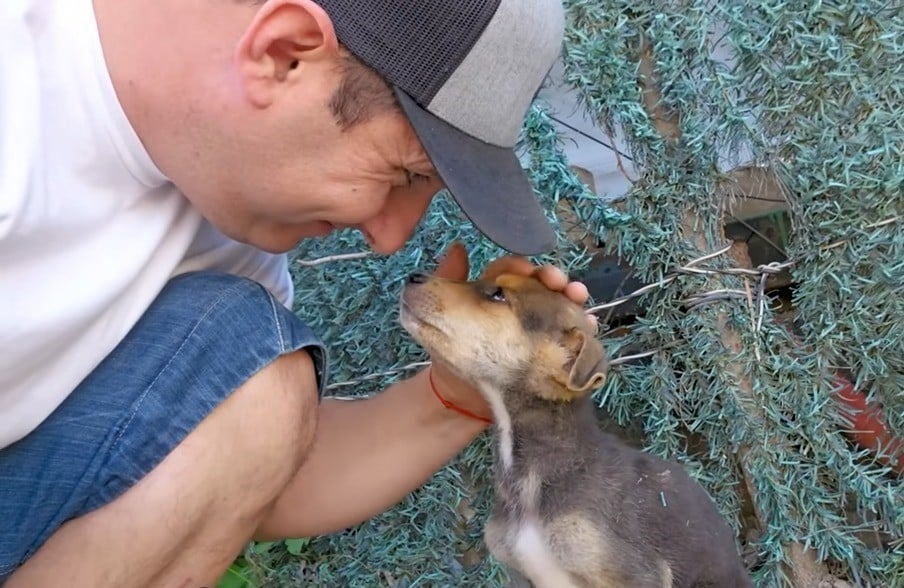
587, 363
282, 36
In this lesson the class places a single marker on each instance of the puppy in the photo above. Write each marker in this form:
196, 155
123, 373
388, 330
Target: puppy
575, 507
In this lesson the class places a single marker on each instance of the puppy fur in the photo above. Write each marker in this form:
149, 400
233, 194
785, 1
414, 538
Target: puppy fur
575, 507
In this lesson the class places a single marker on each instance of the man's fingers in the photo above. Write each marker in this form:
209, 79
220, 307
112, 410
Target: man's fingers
552, 277
555, 279
577, 292
455, 266
508, 265
593, 322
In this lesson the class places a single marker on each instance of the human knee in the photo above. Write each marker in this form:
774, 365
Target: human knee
193, 512
299, 396
278, 411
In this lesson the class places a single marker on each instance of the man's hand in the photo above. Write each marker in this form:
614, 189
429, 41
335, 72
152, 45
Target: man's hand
455, 266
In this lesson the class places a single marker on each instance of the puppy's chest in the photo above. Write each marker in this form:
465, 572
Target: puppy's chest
522, 532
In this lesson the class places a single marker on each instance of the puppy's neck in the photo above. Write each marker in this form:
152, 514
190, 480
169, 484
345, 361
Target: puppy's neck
502, 420
523, 420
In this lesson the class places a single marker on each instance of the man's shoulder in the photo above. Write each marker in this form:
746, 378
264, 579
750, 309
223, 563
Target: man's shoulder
19, 108
69, 159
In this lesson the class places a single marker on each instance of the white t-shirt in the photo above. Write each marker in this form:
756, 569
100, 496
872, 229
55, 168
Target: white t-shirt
90, 229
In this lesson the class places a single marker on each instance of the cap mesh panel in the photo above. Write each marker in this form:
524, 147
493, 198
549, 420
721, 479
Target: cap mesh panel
413, 44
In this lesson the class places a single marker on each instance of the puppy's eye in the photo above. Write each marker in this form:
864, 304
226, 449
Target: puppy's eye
496, 295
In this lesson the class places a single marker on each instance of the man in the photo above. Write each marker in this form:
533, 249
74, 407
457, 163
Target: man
158, 400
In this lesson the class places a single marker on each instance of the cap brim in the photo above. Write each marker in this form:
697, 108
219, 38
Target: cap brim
486, 181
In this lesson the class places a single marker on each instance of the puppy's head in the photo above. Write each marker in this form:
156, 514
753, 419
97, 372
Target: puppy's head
511, 333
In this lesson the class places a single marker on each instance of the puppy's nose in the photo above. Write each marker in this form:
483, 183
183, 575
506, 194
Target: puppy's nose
417, 278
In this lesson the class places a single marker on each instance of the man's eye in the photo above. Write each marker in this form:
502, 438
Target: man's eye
412, 177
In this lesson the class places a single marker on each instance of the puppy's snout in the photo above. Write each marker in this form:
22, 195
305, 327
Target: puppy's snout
417, 278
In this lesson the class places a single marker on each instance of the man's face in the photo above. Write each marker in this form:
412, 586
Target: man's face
255, 146
374, 177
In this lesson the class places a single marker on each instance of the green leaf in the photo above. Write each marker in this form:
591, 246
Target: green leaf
295, 546
234, 578
263, 546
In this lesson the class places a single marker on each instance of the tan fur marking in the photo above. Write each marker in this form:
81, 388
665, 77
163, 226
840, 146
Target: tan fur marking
513, 281
547, 372
581, 547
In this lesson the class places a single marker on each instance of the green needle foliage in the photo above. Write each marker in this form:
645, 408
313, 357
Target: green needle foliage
812, 91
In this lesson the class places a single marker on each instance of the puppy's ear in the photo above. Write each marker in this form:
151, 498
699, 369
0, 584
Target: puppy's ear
587, 364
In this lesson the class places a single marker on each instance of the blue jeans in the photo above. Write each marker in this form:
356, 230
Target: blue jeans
203, 337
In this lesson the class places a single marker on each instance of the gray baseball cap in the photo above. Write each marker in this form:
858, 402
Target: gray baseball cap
465, 74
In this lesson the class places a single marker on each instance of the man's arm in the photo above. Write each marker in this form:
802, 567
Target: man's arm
367, 456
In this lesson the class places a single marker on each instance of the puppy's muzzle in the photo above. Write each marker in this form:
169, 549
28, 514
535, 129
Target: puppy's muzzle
415, 300
412, 293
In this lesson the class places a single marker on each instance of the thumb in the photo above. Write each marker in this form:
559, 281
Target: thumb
454, 264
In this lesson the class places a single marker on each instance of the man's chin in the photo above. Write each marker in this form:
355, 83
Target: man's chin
273, 248
285, 241
385, 245
273, 242
274, 245
318, 229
